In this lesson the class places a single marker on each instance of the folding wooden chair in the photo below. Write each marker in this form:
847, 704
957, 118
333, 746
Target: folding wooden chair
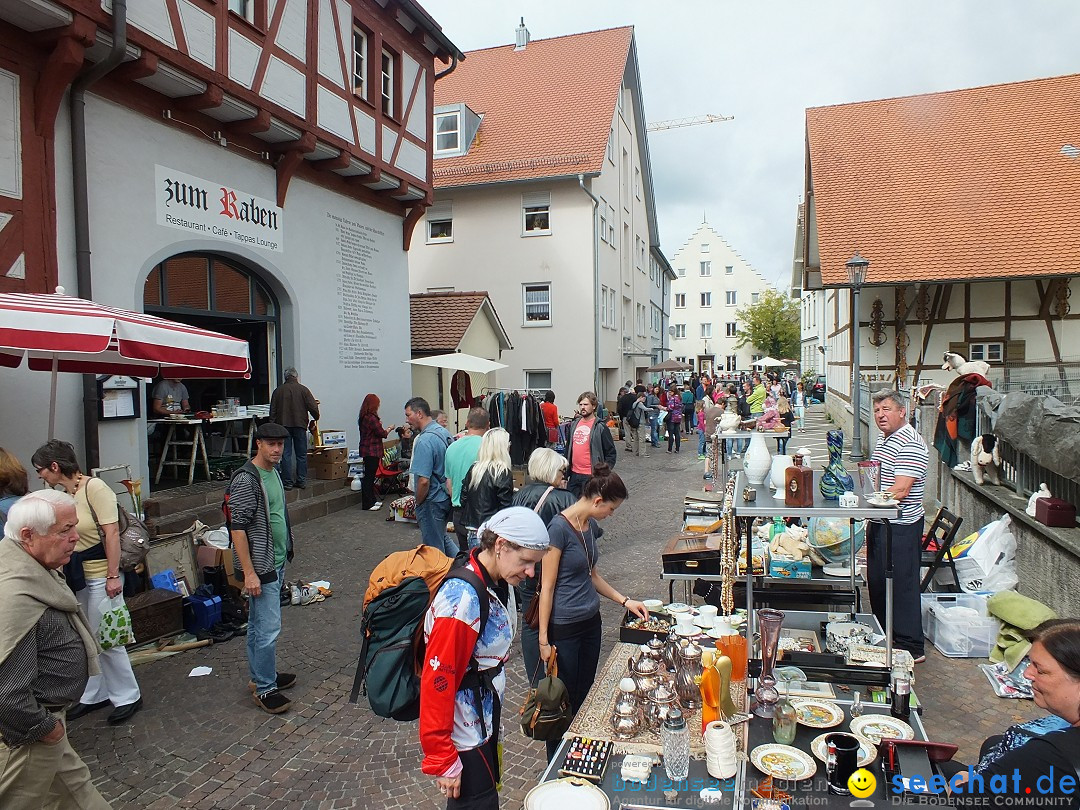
943, 530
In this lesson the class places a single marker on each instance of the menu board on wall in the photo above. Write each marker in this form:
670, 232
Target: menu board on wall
357, 249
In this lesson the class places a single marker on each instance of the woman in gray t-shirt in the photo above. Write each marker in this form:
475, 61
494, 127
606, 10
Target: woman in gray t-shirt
572, 585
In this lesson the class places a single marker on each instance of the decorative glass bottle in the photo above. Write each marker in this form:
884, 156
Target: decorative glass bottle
766, 694
784, 720
799, 484
676, 740
836, 480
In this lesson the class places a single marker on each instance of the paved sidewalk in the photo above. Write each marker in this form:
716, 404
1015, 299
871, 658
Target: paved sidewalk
202, 743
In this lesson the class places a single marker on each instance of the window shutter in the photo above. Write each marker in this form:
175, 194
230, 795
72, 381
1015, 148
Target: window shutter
1015, 351
536, 199
440, 211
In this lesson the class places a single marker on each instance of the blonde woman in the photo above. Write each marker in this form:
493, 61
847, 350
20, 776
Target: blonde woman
488, 486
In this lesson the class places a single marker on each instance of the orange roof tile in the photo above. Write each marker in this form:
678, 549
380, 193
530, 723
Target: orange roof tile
547, 109
441, 319
967, 184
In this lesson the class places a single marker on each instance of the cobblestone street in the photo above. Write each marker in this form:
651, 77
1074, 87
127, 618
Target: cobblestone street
202, 743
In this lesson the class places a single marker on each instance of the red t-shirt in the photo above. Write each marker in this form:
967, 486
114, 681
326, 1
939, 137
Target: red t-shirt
551, 414
580, 454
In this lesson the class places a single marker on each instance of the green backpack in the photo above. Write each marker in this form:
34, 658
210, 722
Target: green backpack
546, 713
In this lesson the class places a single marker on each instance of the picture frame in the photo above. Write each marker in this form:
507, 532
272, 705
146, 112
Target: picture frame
185, 588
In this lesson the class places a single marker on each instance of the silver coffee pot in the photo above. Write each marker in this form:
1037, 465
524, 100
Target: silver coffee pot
688, 677
628, 717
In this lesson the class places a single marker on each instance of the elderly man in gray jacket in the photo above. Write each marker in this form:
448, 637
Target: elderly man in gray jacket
289, 406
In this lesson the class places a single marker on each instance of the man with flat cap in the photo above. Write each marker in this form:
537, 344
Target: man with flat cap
262, 542
47, 652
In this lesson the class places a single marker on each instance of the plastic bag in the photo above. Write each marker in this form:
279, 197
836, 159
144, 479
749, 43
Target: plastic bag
995, 554
114, 630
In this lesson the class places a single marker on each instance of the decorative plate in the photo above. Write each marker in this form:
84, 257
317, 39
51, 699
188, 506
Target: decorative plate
559, 794
689, 632
678, 607
878, 727
817, 713
837, 570
881, 499
867, 750
783, 762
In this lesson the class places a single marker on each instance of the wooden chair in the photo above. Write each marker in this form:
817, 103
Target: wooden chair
943, 530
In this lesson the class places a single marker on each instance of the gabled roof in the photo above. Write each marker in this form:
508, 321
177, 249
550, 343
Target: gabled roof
440, 320
546, 109
970, 184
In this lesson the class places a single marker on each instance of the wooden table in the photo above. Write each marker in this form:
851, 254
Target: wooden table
175, 439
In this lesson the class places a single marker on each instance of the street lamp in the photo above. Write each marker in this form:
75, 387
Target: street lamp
856, 267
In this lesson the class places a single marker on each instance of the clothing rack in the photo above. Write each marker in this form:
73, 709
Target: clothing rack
531, 391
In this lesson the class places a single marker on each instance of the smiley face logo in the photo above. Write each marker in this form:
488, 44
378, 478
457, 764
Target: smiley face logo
862, 783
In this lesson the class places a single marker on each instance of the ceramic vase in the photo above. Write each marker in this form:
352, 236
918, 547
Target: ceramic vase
758, 459
836, 481
778, 470
766, 695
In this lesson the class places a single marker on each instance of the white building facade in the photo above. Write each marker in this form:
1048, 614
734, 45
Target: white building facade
712, 283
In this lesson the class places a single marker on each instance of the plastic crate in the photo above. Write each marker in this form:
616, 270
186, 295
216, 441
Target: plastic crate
930, 601
201, 612
961, 637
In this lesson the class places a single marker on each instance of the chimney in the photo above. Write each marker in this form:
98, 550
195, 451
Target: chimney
521, 38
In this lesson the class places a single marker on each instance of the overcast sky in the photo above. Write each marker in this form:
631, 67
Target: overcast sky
764, 62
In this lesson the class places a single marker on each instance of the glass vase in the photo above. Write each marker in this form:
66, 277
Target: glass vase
836, 481
766, 694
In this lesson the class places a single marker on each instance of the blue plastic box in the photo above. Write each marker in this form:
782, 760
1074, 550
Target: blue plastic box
201, 612
166, 580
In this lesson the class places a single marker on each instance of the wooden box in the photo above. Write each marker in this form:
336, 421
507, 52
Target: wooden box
692, 553
1055, 512
156, 614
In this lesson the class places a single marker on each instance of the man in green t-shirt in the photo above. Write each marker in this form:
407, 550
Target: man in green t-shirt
262, 543
460, 455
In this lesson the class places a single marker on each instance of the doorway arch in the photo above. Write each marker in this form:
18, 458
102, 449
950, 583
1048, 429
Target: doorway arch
216, 292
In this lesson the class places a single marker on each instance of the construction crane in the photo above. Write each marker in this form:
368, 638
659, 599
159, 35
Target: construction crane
687, 122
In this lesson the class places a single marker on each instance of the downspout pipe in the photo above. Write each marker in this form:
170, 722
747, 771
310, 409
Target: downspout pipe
77, 102
449, 70
596, 285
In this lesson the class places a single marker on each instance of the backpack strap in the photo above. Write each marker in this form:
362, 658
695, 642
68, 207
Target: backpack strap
474, 679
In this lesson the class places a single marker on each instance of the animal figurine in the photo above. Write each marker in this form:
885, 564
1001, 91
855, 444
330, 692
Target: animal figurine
1044, 492
986, 459
957, 363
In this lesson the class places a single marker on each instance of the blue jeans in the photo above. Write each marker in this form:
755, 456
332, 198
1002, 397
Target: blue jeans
264, 626
431, 516
295, 447
700, 442
654, 430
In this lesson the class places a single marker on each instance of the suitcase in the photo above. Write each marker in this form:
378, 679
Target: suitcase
1055, 512
692, 553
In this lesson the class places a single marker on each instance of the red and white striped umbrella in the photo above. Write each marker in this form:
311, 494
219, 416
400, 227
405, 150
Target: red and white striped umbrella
60, 333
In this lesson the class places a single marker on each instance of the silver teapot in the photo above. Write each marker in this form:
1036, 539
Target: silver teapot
645, 672
658, 704
673, 649
628, 717
654, 649
688, 677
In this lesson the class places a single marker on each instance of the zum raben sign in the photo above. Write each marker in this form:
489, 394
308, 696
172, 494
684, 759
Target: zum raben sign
202, 207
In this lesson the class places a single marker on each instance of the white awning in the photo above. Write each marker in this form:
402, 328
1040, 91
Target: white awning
459, 362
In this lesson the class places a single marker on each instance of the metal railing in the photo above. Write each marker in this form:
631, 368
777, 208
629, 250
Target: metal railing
1047, 381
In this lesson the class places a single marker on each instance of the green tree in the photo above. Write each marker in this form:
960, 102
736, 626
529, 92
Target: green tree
771, 325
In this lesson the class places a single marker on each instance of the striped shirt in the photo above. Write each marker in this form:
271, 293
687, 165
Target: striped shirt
904, 453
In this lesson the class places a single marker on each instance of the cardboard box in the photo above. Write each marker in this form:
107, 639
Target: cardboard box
329, 472
786, 568
328, 455
356, 470
333, 438
519, 478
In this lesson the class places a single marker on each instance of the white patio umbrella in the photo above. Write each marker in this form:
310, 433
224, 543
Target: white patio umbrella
57, 332
458, 361
769, 362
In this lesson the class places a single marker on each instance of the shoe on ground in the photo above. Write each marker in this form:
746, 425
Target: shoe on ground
80, 709
376, 507
701, 457
273, 702
920, 659
294, 595
309, 595
301, 484
285, 680
287, 486
124, 713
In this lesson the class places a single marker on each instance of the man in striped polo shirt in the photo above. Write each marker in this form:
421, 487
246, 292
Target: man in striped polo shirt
903, 457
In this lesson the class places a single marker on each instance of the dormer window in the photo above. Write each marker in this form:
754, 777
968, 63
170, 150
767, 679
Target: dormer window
448, 132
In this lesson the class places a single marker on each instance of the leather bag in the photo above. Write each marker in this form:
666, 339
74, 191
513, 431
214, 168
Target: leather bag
546, 713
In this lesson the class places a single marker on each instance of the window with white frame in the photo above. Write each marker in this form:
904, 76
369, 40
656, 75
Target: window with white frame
642, 260
731, 363
611, 147
680, 300
626, 179
704, 247
389, 83
755, 297
706, 299
447, 132
603, 307
440, 222
637, 183
680, 330
681, 272
360, 61
731, 298
705, 269
638, 255
246, 9
990, 352
639, 313
657, 318
611, 227
728, 269
538, 380
706, 330
731, 328
536, 304
611, 309
603, 209
536, 213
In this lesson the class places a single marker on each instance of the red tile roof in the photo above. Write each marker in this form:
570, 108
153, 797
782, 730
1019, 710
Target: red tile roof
967, 184
441, 319
547, 109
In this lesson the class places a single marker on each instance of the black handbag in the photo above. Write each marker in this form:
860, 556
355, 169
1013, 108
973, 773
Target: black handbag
546, 712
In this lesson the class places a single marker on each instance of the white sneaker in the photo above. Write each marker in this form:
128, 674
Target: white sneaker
376, 507
294, 595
